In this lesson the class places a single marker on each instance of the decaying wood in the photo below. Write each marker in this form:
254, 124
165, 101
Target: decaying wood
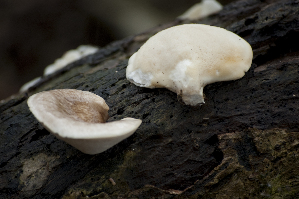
242, 143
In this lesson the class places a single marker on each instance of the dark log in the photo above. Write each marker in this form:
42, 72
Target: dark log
242, 143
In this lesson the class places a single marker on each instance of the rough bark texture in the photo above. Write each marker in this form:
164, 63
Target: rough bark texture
242, 143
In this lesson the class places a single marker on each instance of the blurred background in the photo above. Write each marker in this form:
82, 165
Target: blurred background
33, 33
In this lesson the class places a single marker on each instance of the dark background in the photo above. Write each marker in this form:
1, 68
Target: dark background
34, 33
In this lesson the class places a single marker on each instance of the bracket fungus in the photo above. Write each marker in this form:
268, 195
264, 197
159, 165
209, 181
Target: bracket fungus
185, 58
79, 118
201, 10
69, 57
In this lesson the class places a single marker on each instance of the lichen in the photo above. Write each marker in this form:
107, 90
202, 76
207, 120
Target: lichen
36, 171
97, 181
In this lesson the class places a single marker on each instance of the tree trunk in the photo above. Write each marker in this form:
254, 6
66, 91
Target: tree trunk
242, 143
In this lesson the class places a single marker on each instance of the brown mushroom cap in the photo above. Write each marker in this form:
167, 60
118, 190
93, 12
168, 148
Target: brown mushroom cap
78, 117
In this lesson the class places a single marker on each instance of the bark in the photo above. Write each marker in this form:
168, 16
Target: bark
242, 143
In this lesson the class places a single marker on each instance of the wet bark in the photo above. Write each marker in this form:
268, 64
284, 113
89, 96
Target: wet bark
242, 143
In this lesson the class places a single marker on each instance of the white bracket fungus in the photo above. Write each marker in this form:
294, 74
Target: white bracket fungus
79, 118
29, 84
186, 58
201, 10
69, 57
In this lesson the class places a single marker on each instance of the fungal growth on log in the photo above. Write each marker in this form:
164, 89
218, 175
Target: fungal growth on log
201, 10
79, 118
185, 58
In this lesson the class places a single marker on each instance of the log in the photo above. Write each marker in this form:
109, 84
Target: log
242, 143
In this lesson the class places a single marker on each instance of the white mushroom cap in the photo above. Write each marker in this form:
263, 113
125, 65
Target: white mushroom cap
29, 84
70, 56
186, 58
201, 10
78, 118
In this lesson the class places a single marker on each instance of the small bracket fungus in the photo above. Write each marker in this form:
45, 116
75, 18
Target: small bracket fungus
78, 118
185, 58
201, 10
29, 84
67, 58
70, 56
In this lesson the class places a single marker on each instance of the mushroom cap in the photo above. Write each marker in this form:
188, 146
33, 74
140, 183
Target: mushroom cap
201, 10
68, 57
187, 57
29, 84
78, 118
